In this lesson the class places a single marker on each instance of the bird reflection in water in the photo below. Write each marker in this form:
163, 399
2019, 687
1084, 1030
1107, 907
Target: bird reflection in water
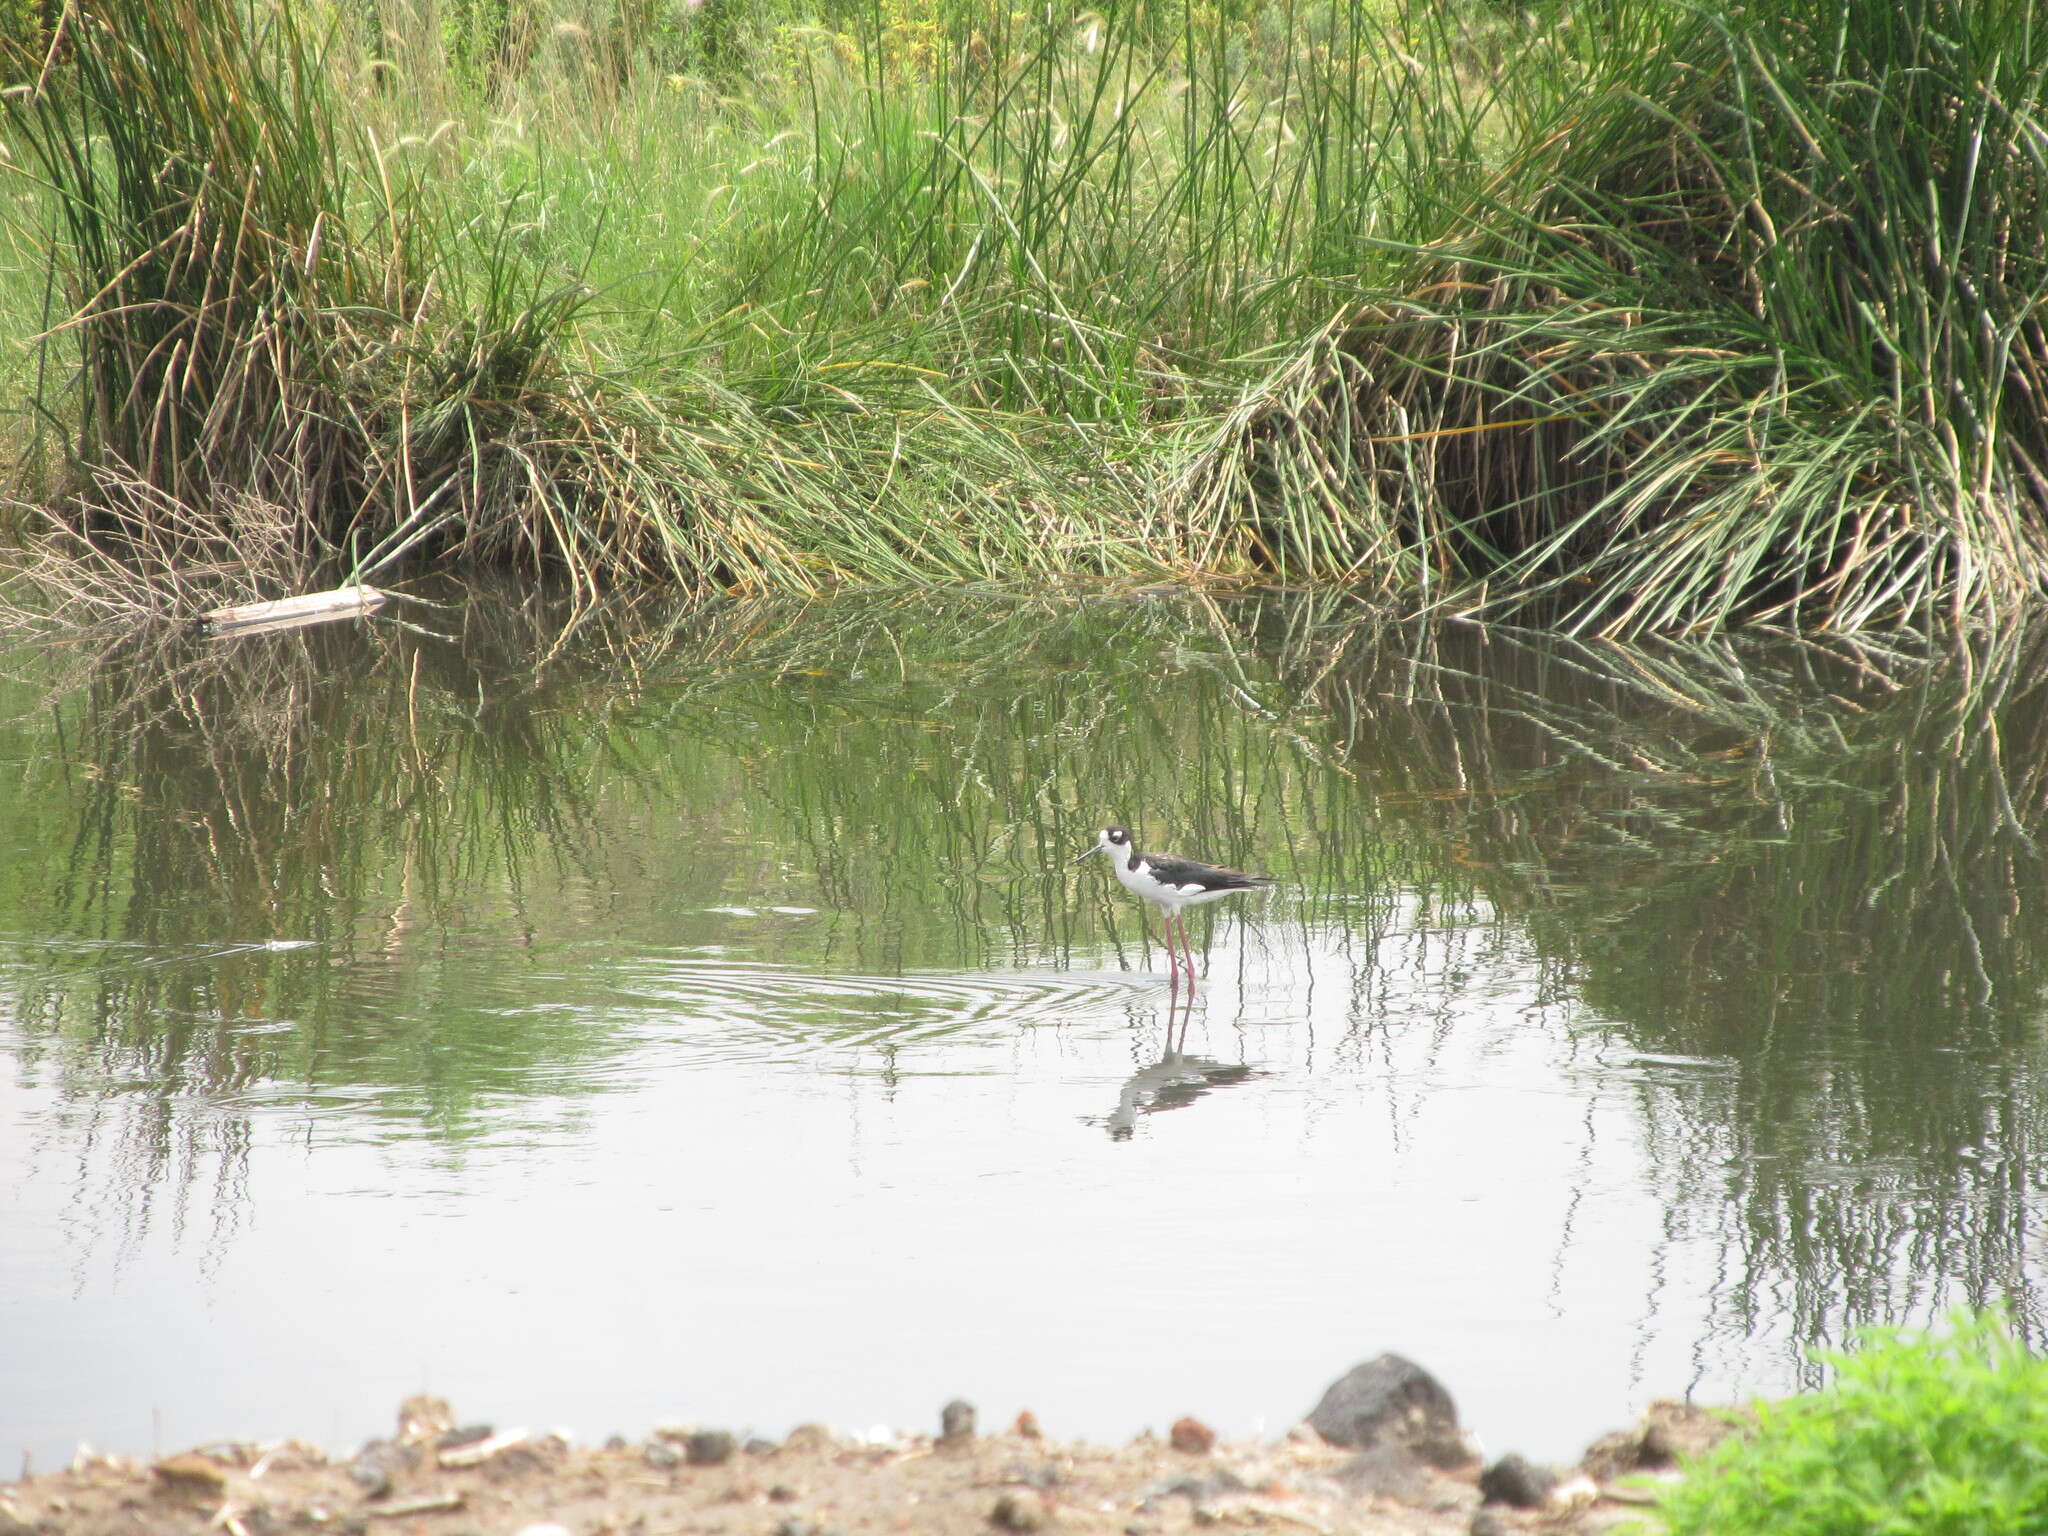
1176, 1079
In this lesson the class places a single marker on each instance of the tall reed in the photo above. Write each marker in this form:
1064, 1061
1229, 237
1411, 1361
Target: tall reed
1685, 314
1747, 325
198, 195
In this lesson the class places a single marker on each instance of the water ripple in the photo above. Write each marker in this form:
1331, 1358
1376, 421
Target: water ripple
748, 1011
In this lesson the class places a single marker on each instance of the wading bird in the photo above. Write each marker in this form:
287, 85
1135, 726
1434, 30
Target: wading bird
1171, 884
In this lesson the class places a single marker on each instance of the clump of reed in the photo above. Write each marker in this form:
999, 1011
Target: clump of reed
1681, 314
280, 301
1748, 324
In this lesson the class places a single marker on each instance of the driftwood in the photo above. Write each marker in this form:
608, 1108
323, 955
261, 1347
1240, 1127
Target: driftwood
290, 612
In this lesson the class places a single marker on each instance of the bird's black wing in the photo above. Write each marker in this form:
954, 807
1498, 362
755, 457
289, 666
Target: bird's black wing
1213, 877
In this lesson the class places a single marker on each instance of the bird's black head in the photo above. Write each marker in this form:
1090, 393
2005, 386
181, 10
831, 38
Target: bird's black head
1107, 840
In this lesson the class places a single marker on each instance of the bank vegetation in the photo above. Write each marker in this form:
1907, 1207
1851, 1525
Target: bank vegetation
1662, 315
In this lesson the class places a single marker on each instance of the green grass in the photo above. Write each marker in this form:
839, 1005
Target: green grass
1746, 326
1688, 314
1917, 1436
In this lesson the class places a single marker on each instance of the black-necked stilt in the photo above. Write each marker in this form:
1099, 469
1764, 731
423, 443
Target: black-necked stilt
1171, 884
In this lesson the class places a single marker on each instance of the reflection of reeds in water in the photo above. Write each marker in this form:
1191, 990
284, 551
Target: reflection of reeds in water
497, 767
342, 791
1805, 862
1799, 863
419, 801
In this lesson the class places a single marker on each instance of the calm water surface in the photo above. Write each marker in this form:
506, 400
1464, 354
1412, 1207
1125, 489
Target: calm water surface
695, 1014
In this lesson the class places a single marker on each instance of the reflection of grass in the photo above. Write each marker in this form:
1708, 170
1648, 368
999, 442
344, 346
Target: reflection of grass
427, 809
311, 790
1802, 862
470, 825
1795, 864
1921, 1435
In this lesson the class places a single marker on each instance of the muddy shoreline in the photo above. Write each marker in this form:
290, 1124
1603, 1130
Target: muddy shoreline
437, 1477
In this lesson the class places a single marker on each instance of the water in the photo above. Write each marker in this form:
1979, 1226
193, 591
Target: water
695, 1014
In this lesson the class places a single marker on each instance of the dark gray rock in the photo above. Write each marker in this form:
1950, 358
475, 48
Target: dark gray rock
1018, 1512
468, 1434
956, 1421
1392, 1400
1518, 1481
710, 1447
1486, 1523
758, 1446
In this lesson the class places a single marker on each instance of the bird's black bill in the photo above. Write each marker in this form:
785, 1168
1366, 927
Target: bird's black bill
1086, 851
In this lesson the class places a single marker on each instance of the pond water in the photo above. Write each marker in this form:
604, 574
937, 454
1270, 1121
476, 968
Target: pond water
695, 1014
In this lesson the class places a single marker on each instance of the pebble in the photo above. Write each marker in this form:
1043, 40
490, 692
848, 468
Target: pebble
1660, 1446
424, 1416
191, 1473
373, 1478
378, 1462
1045, 1475
1486, 1522
1191, 1436
956, 1421
1518, 1481
1018, 1512
710, 1447
1026, 1426
544, 1528
757, 1446
469, 1434
661, 1456
808, 1437
1200, 1490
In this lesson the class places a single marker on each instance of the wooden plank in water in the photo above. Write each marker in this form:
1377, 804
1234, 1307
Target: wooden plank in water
290, 612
